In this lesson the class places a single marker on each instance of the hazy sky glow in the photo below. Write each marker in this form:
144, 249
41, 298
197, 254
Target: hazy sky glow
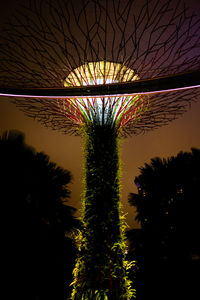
66, 151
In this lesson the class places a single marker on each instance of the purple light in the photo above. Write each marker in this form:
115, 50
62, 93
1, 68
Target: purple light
137, 184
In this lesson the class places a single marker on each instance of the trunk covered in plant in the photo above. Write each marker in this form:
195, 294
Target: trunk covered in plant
100, 270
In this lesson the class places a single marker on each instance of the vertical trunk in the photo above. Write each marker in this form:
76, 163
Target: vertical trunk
99, 271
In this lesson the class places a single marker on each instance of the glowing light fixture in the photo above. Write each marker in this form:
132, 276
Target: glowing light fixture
104, 110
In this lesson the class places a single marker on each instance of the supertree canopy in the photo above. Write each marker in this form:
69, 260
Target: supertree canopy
102, 69
51, 44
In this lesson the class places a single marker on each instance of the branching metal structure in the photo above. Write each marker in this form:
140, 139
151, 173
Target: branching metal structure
102, 69
50, 39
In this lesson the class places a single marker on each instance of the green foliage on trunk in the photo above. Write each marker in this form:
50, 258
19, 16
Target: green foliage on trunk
101, 269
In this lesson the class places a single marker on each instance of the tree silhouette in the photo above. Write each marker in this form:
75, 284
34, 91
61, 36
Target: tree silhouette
167, 246
36, 220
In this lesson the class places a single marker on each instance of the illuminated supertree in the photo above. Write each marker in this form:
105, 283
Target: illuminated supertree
101, 69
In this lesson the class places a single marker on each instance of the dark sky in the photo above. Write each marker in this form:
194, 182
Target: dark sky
66, 151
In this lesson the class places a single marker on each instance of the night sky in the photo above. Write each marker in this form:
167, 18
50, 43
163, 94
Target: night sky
66, 150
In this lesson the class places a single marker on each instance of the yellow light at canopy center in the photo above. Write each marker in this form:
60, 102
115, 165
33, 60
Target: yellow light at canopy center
102, 109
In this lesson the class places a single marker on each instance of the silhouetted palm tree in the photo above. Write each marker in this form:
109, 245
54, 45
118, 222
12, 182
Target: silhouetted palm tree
168, 210
36, 219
